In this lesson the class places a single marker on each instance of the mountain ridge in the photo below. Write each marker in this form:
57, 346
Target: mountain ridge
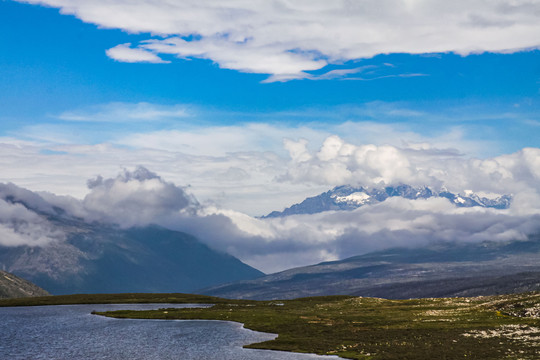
106, 259
347, 197
446, 269
79, 256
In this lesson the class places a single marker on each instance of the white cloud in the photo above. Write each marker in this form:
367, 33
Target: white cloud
244, 56
219, 140
21, 226
257, 168
140, 197
28, 234
126, 112
287, 38
125, 53
134, 198
338, 162
278, 243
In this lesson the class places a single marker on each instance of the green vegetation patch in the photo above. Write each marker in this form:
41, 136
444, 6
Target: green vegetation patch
136, 298
494, 327
370, 328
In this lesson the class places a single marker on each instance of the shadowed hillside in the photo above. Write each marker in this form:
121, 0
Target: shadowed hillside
447, 269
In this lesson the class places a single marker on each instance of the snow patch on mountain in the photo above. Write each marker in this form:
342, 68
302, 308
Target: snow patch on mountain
358, 198
348, 197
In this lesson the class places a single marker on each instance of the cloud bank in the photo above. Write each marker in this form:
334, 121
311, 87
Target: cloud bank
133, 198
243, 167
23, 220
247, 169
140, 197
338, 162
287, 39
257, 168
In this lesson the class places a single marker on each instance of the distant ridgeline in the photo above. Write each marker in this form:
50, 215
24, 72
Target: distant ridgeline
100, 258
347, 197
440, 270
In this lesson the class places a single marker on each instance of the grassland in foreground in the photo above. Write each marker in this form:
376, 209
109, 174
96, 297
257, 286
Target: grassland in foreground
494, 327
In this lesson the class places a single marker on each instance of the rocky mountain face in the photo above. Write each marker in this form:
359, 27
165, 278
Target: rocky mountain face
82, 257
349, 198
101, 259
443, 270
12, 286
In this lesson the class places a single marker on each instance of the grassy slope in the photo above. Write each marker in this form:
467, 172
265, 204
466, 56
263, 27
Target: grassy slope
497, 327
136, 298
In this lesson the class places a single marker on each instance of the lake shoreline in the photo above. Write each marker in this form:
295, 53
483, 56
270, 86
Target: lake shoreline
356, 327
65, 332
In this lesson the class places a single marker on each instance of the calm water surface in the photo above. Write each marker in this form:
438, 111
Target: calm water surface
71, 332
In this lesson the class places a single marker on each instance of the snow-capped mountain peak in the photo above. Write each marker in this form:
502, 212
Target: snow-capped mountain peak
347, 197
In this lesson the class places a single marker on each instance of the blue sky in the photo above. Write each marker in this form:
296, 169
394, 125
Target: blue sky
62, 84
52, 63
251, 106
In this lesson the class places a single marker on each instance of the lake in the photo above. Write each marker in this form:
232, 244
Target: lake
71, 332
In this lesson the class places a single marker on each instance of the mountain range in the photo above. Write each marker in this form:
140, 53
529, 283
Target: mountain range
93, 257
441, 270
348, 197
102, 259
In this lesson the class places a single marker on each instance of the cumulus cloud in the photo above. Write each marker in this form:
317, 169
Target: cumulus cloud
134, 198
338, 162
288, 39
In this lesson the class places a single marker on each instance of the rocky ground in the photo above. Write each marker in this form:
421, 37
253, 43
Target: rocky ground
12, 286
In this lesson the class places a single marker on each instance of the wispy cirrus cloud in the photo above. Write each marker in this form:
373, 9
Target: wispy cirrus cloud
126, 112
362, 73
287, 40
